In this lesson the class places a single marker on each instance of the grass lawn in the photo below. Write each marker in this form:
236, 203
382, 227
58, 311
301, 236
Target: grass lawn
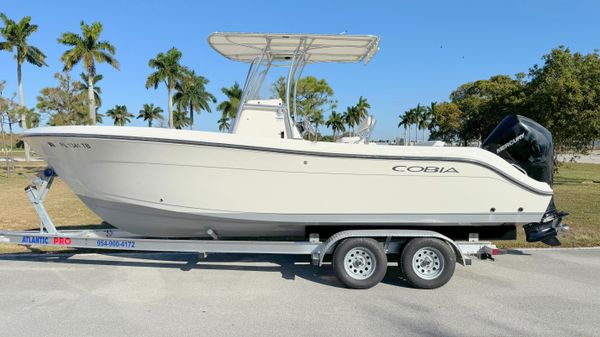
577, 191
577, 188
16, 150
16, 212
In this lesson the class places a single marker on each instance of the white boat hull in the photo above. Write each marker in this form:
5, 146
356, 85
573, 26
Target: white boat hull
173, 183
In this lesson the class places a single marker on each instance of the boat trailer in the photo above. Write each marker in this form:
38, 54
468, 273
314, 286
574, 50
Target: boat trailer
389, 241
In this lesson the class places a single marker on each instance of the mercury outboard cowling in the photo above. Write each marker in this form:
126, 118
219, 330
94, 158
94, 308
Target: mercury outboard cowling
528, 146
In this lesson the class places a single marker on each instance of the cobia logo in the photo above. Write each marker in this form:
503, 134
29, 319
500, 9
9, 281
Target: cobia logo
424, 169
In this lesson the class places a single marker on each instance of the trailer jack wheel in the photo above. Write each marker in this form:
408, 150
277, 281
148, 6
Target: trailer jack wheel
427, 263
359, 263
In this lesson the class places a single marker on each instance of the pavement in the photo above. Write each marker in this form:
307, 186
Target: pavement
524, 293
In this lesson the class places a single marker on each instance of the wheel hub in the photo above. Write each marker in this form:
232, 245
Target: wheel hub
359, 263
428, 263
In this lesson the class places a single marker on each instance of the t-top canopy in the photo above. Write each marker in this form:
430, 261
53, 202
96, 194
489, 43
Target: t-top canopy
246, 47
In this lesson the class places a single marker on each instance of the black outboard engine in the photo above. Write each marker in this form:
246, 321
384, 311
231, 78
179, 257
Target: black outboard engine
528, 146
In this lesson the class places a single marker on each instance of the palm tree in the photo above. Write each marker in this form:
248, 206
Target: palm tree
120, 115
180, 119
350, 117
336, 122
427, 117
411, 118
149, 113
84, 88
16, 35
405, 121
230, 106
191, 92
223, 123
317, 119
89, 49
168, 71
362, 109
419, 113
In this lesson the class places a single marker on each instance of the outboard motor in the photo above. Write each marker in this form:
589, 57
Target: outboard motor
528, 146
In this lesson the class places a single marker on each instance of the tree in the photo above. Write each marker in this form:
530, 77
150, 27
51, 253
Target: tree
317, 119
8, 116
418, 117
446, 122
362, 109
405, 121
349, 117
426, 118
564, 96
3, 101
336, 123
411, 119
4, 106
180, 119
120, 115
312, 95
230, 106
356, 113
63, 104
485, 102
168, 71
84, 88
223, 123
15, 35
150, 113
32, 118
191, 93
87, 48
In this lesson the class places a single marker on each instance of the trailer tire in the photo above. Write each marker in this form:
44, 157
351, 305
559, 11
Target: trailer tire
359, 263
427, 263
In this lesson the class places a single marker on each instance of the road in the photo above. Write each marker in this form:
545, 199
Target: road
525, 293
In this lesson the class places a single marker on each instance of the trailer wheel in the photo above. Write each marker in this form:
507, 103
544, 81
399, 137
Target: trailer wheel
359, 263
427, 263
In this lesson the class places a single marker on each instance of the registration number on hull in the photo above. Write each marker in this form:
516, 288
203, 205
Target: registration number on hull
65, 145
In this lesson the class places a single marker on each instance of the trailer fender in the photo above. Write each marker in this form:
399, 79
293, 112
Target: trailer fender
328, 246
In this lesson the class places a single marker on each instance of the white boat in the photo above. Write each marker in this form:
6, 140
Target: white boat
263, 179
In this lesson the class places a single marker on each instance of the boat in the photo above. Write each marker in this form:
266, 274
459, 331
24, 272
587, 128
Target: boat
263, 179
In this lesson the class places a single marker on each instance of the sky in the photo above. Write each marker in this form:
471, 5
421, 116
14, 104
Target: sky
428, 48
